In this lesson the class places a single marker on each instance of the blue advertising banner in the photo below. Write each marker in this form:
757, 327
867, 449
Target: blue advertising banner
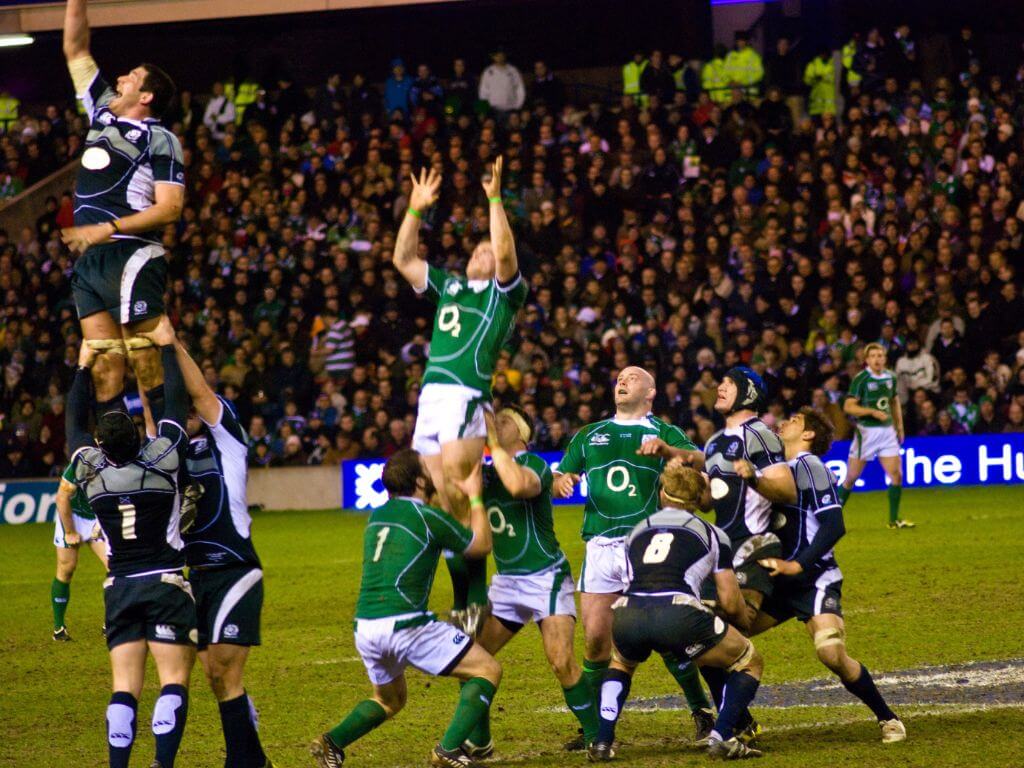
927, 462
28, 501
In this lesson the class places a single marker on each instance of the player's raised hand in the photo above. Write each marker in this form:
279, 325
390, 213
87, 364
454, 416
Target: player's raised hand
87, 355
492, 431
564, 485
473, 485
781, 567
425, 189
163, 334
492, 183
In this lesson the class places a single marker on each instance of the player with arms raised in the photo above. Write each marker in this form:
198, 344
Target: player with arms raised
475, 316
534, 579
130, 185
622, 458
808, 582
873, 401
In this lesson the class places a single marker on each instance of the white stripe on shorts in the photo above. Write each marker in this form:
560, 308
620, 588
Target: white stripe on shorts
132, 268
232, 598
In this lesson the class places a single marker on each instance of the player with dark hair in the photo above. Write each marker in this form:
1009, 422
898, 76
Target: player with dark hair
393, 628
133, 490
808, 582
669, 556
533, 580
130, 185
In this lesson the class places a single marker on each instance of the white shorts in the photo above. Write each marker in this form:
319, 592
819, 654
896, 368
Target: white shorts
435, 647
870, 443
604, 566
448, 412
533, 596
88, 529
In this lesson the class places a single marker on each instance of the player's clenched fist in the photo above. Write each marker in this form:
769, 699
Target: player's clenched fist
564, 485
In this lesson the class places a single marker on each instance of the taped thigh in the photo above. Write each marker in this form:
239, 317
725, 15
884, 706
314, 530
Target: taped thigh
825, 638
743, 660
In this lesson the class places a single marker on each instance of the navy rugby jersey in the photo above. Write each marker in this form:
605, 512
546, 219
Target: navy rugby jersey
123, 162
217, 460
817, 507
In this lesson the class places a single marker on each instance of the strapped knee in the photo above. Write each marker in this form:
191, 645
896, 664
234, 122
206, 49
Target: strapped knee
744, 659
107, 346
826, 638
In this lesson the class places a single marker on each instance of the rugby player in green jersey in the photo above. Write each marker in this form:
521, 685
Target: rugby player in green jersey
873, 401
393, 628
475, 316
622, 458
533, 580
76, 525
130, 185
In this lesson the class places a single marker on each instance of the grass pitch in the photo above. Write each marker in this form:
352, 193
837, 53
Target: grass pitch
947, 592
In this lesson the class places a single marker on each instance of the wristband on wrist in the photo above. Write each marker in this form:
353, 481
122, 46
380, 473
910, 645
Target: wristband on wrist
116, 225
476, 501
413, 212
494, 200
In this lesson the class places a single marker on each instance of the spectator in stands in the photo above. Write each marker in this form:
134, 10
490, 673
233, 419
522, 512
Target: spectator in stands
220, 112
397, 89
501, 84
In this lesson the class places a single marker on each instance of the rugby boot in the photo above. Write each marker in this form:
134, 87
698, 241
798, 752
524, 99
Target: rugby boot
733, 749
703, 724
61, 635
452, 758
892, 731
478, 752
326, 754
600, 752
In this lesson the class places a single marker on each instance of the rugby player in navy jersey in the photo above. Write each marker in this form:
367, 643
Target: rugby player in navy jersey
130, 185
132, 488
808, 582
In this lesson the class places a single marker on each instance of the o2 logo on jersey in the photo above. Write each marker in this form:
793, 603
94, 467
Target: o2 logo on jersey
448, 320
883, 403
95, 159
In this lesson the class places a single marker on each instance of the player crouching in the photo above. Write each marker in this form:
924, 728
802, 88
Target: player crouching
809, 582
669, 555
394, 629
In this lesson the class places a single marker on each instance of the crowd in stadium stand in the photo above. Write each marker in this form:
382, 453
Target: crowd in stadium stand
711, 214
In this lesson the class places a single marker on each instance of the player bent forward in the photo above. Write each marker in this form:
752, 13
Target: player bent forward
534, 579
668, 557
394, 629
76, 525
808, 583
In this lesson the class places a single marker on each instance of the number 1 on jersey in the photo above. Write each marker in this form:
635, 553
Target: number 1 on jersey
381, 538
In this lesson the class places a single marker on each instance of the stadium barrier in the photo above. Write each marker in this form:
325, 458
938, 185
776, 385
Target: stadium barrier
927, 462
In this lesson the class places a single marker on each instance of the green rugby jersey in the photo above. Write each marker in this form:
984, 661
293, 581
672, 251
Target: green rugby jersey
874, 391
524, 529
622, 486
79, 502
401, 546
474, 319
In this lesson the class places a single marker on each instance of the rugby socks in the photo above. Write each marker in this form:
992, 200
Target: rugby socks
614, 691
581, 702
740, 689
239, 720
114, 404
844, 494
60, 595
169, 722
364, 717
121, 722
476, 570
457, 569
715, 678
894, 493
155, 397
474, 701
688, 677
593, 673
864, 688
481, 735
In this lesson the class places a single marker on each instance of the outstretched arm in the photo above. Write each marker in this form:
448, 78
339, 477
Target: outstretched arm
76, 31
203, 398
175, 396
504, 245
520, 482
76, 415
406, 258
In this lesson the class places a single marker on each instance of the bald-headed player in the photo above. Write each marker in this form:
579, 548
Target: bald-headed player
622, 458
130, 185
475, 316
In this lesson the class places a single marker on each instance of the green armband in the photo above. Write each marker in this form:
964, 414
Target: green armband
413, 212
497, 200
476, 501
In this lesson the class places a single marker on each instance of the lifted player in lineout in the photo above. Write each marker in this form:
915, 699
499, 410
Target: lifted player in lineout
130, 185
393, 628
874, 402
808, 582
534, 579
133, 490
76, 525
622, 458
669, 555
475, 315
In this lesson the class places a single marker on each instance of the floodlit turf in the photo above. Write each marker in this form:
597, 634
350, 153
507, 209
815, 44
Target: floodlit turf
949, 591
